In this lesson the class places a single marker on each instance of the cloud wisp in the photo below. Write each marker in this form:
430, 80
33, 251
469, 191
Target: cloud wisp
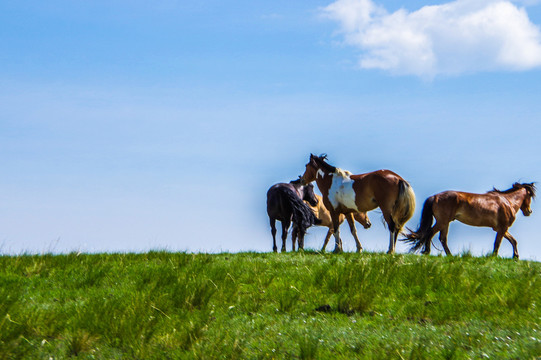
463, 36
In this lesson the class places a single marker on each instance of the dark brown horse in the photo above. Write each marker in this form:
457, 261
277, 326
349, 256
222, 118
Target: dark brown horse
324, 216
285, 203
496, 209
344, 193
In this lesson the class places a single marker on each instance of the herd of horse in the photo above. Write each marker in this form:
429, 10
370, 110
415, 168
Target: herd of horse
346, 196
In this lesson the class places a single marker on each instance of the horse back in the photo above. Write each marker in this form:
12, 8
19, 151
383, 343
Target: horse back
278, 206
487, 210
376, 189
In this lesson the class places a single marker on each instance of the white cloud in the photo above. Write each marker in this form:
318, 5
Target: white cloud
452, 38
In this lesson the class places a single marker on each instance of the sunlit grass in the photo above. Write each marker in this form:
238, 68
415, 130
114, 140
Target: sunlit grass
249, 305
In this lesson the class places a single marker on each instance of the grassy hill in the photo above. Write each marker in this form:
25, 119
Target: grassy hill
262, 306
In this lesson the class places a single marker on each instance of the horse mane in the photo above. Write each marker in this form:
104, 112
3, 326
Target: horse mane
320, 161
530, 188
342, 172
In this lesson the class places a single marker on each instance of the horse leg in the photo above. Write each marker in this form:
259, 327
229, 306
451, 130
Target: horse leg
443, 239
392, 229
395, 239
285, 228
294, 233
327, 237
393, 236
301, 240
351, 223
337, 242
336, 232
513, 243
273, 231
431, 233
498, 242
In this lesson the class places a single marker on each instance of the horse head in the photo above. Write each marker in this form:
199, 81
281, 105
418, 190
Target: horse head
309, 195
527, 201
310, 171
313, 166
306, 191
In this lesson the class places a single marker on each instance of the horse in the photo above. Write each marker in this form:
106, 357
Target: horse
324, 216
496, 209
285, 203
345, 193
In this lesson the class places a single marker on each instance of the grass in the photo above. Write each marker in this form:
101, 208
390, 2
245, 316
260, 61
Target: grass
163, 305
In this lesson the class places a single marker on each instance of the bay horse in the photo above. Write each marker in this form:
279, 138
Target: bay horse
344, 193
285, 203
324, 216
495, 209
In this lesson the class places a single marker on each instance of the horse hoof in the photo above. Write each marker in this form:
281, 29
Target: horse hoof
337, 251
360, 250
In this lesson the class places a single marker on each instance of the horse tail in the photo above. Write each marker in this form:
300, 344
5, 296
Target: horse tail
404, 206
303, 216
421, 238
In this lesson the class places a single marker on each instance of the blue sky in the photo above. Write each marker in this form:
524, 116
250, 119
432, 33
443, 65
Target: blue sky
127, 127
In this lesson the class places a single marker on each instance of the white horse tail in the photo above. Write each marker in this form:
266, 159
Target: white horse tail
404, 206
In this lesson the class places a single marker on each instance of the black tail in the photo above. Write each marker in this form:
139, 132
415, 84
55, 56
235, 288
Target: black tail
303, 216
421, 238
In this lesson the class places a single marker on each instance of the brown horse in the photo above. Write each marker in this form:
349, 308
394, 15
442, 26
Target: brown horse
285, 204
344, 193
496, 209
324, 216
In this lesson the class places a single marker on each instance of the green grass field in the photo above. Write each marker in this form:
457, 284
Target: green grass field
163, 305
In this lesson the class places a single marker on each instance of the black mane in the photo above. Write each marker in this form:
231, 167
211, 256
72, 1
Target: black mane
320, 161
530, 188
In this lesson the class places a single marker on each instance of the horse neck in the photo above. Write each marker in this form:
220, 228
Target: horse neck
300, 189
323, 182
516, 198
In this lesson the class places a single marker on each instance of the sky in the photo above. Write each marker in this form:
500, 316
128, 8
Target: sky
128, 126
